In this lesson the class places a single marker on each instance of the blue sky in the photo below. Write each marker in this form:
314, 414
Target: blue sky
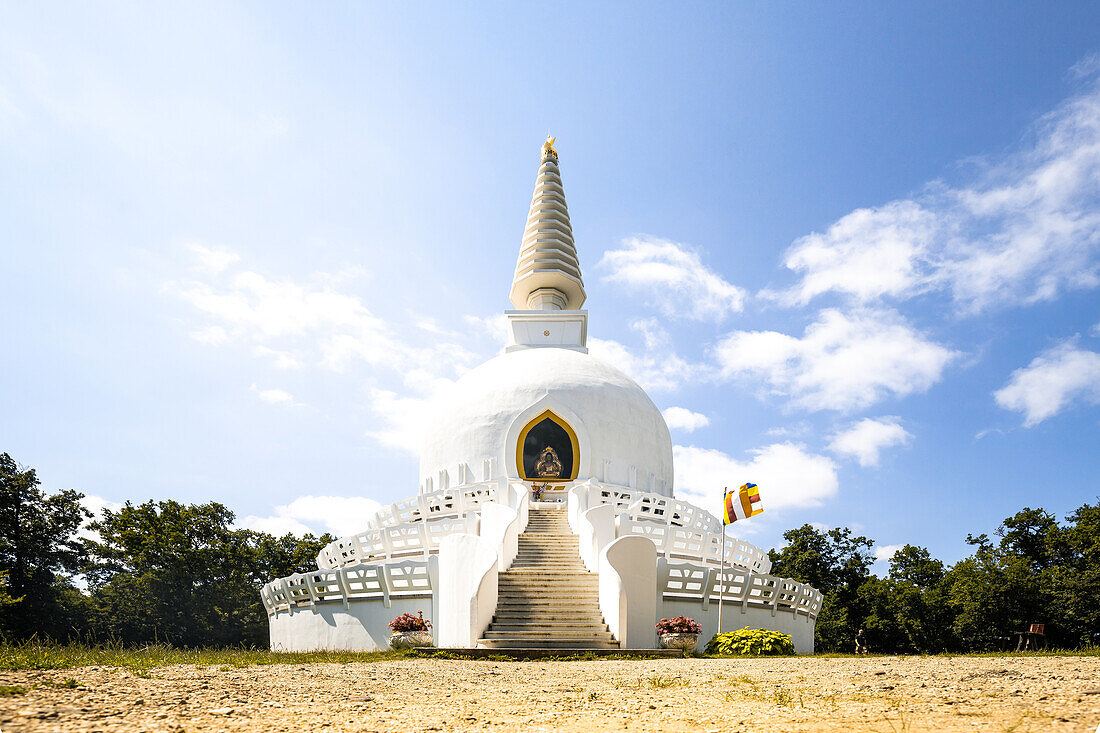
857, 247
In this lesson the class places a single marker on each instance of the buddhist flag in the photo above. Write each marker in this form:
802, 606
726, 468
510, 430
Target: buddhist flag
741, 504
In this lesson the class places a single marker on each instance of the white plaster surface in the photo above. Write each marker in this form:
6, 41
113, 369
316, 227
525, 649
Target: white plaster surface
467, 595
363, 626
617, 425
597, 530
628, 590
799, 626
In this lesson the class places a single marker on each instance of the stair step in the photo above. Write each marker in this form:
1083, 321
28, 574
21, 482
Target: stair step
549, 618
568, 644
567, 625
548, 634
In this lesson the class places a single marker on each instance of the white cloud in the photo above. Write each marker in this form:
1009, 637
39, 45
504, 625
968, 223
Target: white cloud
681, 418
340, 515
405, 418
495, 326
674, 279
885, 553
867, 253
312, 324
214, 335
867, 438
1023, 229
95, 504
788, 476
657, 368
213, 260
279, 359
285, 318
274, 396
1054, 379
844, 361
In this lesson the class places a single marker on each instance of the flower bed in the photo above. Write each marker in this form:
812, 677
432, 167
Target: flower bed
679, 625
406, 622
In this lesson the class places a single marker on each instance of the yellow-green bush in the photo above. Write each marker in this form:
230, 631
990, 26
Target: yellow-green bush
751, 642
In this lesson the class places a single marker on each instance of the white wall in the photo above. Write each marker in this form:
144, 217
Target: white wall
467, 595
361, 627
801, 628
628, 590
613, 418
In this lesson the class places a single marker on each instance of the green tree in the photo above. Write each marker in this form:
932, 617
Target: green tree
181, 573
908, 611
836, 563
39, 550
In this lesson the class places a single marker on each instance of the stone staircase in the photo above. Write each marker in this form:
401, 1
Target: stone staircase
547, 599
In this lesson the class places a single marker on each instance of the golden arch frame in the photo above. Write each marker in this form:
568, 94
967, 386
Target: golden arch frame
572, 441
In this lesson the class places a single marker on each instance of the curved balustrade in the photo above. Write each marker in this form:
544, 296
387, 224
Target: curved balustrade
446, 503
702, 583
678, 528
403, 540
384, 581
684, 543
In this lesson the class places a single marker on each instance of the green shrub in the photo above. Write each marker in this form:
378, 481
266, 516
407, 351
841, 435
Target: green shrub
754, 642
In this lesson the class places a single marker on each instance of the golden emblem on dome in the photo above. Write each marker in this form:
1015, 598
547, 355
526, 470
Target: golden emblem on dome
548, 148
548, 465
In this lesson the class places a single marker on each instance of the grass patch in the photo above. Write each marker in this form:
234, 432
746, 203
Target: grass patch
9, 690
35, 654
660, 681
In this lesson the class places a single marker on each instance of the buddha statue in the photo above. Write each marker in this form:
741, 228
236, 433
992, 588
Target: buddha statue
548, 465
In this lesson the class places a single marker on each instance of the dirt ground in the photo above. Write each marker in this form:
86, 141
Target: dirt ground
886, 694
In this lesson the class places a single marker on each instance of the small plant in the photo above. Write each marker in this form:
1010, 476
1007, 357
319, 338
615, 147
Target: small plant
9, 690
406, 622
678, 625
751, 642
659, 681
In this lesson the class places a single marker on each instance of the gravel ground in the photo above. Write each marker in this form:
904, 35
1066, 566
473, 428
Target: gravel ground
886, 694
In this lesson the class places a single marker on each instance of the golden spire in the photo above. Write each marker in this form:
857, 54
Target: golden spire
548, 148
548, 273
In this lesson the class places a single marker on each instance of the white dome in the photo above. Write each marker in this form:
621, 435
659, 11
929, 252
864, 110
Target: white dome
473, 433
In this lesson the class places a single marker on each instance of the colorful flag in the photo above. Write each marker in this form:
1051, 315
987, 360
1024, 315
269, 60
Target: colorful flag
742, 504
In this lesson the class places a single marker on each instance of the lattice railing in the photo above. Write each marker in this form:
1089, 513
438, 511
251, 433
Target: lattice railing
383, 582
689, 544
703, 583
403, 540
448, 503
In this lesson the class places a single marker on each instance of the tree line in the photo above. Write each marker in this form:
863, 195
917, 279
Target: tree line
1036, 570
182, 574
160, 571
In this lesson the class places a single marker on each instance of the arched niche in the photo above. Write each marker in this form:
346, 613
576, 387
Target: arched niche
547, 449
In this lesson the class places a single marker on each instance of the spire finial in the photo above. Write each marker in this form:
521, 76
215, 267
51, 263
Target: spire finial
548, 273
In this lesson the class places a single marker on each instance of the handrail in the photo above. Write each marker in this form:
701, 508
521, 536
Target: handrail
418, 539
694, 582
382, 581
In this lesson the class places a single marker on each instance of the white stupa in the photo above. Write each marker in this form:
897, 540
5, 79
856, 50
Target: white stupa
545, 515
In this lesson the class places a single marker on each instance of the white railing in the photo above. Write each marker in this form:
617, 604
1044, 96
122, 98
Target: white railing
702, 583
684, 543
383, 581
680, 529
418, 539
447, 503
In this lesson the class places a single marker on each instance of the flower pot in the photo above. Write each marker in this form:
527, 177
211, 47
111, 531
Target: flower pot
683, 641
410, 639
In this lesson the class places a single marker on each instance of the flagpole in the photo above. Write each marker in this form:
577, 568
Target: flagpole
722, 572
722, 581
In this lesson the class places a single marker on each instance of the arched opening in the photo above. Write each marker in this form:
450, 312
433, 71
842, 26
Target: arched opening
547, 450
